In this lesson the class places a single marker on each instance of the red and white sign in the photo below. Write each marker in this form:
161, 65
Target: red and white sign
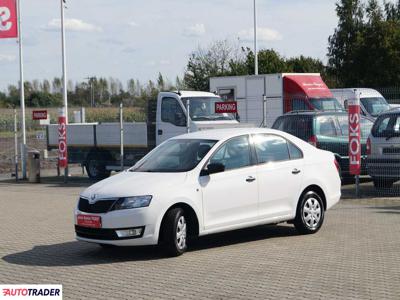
89, 221
354, 137
225, 107
8, 19
62, 141
39, 115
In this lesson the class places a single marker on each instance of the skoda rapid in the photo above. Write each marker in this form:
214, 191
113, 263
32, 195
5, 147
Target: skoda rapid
207, 182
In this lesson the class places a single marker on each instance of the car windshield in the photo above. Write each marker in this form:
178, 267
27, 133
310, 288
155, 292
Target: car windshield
326, 104
375, 105
177, 155
203, 109
365, 125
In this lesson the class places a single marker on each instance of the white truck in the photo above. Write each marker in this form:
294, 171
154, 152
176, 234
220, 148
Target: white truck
97, 145
372, 103
261, 99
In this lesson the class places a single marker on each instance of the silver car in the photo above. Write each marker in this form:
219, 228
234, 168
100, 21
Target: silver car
383, 149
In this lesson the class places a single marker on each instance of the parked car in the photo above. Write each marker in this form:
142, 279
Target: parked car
383, 150
207, 182
328, 131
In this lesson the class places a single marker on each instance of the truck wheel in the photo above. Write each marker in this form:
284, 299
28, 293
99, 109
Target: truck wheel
96, 166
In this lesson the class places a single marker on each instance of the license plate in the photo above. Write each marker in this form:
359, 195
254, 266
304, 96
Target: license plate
89, 221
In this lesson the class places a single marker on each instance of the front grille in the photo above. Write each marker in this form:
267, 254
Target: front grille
96, 233
394, 150
105, 234
101, 206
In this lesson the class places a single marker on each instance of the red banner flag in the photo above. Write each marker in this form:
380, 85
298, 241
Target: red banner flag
62, 141
354, 136
8, 19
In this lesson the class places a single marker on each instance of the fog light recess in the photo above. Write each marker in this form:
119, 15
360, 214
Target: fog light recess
130, 232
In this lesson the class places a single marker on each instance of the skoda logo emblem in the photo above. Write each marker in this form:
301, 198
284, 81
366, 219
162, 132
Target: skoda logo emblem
92, 199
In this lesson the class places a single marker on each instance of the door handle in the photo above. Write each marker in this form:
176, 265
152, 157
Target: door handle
250, 179
295, 171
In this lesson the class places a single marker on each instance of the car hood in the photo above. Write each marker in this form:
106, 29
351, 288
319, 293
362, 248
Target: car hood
128, 184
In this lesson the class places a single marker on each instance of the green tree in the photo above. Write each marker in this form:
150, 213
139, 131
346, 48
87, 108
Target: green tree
343, 42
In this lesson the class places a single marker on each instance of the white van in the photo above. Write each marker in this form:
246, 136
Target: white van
372, 102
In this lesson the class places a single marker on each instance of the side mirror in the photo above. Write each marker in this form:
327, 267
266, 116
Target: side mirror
212, 169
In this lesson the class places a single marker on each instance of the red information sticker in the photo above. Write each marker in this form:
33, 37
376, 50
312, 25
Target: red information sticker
225, 107
89, 221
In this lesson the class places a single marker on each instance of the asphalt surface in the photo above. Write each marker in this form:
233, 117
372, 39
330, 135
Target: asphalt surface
356, 255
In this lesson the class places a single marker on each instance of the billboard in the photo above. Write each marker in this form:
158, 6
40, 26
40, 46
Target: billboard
8, 19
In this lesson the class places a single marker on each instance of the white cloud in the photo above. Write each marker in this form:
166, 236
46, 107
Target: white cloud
72, 25
195, 30
133, 24
264, 34
5, 57
165, 62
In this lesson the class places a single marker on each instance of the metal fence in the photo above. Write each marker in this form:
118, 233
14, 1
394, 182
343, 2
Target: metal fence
326, 130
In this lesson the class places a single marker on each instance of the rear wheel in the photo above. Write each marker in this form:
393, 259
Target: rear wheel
174, 232
310, 213
383, 183
96, 166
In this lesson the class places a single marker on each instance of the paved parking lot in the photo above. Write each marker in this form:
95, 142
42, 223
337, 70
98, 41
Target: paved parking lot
356, 255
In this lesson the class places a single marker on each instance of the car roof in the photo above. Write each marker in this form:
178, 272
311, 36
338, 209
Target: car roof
226, 133
316, 113
393, 111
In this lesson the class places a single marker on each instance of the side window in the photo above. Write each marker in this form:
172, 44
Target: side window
270, 148
295, 153
327, 126
234, 154
299, 104
171, 112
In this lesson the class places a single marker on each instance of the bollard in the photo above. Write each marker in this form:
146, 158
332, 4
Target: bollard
34, 166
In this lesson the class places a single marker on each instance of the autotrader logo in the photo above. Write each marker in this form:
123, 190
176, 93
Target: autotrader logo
30, 292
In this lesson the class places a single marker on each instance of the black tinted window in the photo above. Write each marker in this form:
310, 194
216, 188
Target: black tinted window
386, 126
171, 112
234, 154
270, 148
297, 125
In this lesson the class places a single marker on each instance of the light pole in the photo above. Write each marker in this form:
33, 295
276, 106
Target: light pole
255, 40
22, 93
64, 62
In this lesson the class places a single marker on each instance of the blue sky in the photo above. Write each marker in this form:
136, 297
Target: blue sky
136, 39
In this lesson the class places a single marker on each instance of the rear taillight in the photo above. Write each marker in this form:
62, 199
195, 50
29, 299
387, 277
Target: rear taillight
337, 165
313, 141
368, 146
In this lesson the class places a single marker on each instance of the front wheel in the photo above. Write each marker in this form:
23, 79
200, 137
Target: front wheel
309, 214
96, 166
174, 232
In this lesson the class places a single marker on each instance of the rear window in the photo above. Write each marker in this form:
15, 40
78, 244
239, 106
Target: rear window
387, 126
366, 126
326, 126
297, 125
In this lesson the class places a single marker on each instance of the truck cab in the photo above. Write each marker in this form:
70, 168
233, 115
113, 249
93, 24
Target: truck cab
172, 117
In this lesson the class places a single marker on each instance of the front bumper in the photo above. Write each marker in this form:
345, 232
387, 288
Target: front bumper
383, 167
119, 220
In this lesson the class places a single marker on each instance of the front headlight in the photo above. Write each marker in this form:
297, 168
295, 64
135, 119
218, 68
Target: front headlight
132, 202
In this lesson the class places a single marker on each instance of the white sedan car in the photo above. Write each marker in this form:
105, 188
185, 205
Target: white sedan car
207, 182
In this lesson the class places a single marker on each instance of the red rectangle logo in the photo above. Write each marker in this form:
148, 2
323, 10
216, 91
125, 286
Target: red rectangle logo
89, 221
8, 19
39, 115
354, 140
225, 107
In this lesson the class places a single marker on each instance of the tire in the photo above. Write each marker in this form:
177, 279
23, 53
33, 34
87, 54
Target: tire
96, 167
310, 213
383, 183
174, 232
